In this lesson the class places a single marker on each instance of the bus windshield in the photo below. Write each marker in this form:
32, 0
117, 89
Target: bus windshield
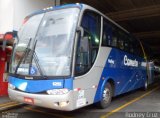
50, 35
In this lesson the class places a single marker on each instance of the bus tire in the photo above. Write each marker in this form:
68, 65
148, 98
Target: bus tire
106, 96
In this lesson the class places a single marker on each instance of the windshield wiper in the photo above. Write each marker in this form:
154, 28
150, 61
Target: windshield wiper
35, 57
32, 56
24, 55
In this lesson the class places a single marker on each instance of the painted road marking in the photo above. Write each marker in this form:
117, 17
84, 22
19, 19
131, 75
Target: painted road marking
128, 103
55, 115
8, 106
7, 103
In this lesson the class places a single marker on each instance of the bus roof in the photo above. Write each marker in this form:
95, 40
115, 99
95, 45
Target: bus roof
78, 5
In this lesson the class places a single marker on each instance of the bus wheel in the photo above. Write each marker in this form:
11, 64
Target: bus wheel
106, 96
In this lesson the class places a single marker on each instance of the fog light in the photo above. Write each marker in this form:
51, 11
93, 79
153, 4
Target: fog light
63, 104
56, 104
11, 86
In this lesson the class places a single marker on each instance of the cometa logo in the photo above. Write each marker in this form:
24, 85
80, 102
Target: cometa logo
130, 62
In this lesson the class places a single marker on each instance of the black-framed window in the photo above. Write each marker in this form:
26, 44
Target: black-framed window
128, 43
110, 34
138, 48
107, 33
131, 46
121, 39
135, 46
113, 36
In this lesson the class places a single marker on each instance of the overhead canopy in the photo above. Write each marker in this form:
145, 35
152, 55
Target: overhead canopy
140, 17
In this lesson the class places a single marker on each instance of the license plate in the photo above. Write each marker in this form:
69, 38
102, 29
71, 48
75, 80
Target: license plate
28, 100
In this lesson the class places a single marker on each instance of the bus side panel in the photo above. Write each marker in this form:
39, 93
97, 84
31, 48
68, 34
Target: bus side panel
127, 71
126, 76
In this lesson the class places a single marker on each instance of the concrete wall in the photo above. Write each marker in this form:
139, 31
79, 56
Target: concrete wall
6, 15
12, 12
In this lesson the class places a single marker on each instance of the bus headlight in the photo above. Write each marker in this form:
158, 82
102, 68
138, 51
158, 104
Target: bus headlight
58, 91
11, 86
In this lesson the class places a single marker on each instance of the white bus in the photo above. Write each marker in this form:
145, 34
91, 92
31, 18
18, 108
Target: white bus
71, 56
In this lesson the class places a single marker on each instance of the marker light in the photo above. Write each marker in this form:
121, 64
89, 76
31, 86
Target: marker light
58, 91
11, 86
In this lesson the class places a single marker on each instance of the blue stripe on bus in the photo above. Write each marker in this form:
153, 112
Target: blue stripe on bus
35, 86
126, 78
68, 5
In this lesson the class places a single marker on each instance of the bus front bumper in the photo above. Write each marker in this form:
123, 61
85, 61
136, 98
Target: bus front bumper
58, 102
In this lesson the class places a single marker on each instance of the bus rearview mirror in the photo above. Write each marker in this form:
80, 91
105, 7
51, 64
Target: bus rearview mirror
81, 30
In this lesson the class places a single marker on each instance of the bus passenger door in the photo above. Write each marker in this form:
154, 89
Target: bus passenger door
87, 75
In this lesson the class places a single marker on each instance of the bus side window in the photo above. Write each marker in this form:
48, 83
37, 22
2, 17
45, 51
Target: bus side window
85, 59
107, 32
131, 49
121, 38
127, 46
138, 49
131, 43
114, 41
135, 47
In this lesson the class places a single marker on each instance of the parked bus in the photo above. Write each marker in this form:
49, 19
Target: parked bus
71, 56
